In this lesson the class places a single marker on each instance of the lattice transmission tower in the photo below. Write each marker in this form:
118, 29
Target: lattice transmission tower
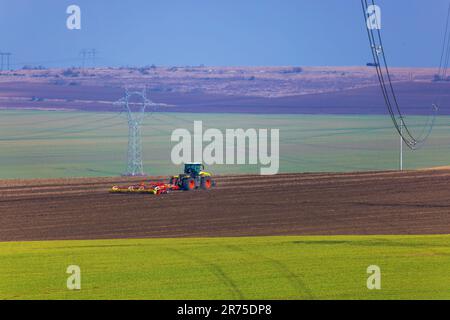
135, 104
5, 56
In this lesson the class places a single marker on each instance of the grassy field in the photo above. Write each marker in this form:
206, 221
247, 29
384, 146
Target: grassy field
412, 267
49, 144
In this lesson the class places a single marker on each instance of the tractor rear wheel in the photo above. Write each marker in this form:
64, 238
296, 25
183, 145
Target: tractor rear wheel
188, 184
206, 183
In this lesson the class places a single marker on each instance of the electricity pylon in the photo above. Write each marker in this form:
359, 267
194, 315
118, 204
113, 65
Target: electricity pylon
3, 55
135, 115
86, 55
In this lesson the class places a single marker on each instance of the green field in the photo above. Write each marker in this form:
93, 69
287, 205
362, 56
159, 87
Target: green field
47, 144
412, 267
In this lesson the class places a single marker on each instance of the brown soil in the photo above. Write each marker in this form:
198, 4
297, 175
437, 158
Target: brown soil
288, 204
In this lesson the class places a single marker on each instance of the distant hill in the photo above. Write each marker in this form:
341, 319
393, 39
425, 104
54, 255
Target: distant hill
318, 90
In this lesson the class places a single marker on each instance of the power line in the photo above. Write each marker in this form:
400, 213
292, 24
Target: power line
387, 88
445, 46
57, 132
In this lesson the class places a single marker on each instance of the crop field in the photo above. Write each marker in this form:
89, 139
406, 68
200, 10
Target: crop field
413, 267
50, 144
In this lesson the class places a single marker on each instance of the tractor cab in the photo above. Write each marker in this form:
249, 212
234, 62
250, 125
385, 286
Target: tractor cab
193, 169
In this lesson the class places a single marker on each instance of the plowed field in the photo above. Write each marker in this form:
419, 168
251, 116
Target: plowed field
289, 204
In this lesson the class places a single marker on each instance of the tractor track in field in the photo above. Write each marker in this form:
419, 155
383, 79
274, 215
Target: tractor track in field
242, 205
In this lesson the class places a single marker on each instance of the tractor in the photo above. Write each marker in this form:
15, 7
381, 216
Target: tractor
193, 177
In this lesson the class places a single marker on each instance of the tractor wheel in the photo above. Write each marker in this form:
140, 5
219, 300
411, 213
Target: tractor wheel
188, 184
206, 183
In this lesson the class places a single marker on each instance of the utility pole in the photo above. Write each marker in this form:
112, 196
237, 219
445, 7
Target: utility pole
401, 144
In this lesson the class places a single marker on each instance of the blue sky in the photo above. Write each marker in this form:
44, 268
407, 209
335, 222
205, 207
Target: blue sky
220, 32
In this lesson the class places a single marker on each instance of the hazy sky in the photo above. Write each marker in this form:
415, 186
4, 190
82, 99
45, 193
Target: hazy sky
220, 32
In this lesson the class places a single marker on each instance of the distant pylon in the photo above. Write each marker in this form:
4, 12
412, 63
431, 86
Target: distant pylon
2, 64
135, 115
83, 57
93, 53
86, 55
